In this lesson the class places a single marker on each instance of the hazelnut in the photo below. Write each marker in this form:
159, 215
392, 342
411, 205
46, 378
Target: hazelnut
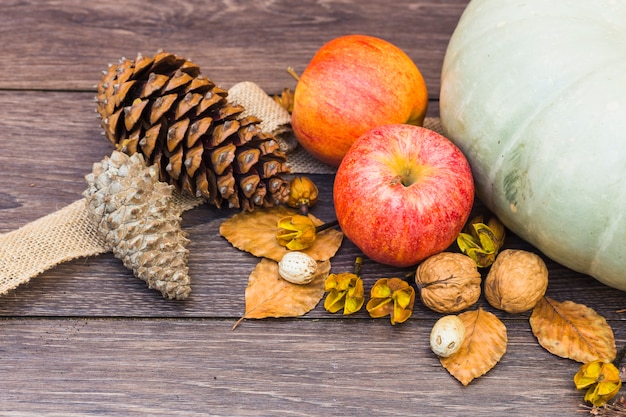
297, 267
517, 281
448, 282
447, 335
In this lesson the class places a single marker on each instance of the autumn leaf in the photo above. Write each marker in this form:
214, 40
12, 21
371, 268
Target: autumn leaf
255, 232
572, 330
269, 295
483, 347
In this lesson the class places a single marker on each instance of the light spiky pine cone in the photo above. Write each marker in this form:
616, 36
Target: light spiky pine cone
165, 109
135, 214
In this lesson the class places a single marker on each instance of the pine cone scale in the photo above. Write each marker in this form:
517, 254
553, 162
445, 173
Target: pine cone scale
153, 85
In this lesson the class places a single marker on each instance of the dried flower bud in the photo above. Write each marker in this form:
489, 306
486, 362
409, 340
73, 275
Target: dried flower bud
303, 194
296, 232
601, 379
393, 297
345, 290
481, 241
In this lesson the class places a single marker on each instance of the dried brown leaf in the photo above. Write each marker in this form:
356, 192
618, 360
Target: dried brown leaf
268, 295
572, 330
483, 347
255, 232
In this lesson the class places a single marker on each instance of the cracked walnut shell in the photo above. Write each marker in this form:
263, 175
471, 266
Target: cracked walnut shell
448, 282
516, 281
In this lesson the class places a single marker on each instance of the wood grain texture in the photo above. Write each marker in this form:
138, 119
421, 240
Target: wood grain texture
271, 368
87, 338
64, 45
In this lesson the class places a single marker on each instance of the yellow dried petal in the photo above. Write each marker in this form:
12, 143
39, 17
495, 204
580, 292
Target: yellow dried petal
341, 281
335, 300
379, 307
381, 289
588, 374
400, 314
487, 238
296, 232
403, 298
480, 242
499, 232
354, 299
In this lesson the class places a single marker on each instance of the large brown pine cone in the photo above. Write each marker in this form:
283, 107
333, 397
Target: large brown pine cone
165, 109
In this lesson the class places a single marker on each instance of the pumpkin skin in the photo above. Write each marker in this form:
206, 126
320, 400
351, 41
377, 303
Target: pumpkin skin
534, 94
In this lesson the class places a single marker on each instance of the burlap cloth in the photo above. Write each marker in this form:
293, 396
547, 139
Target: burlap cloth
69, 233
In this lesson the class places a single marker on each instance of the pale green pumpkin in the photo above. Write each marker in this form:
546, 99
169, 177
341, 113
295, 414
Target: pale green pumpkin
534, 94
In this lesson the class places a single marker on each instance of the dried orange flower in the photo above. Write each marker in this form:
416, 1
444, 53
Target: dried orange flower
481, 241
285, 99
303, 194
393, 297
296, 232
601, 379
345, 290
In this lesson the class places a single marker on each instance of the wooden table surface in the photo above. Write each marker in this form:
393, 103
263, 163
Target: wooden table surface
88, 338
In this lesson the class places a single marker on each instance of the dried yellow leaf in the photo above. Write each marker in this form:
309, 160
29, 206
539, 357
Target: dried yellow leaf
572, 330
484, 345
269, 295
255, 232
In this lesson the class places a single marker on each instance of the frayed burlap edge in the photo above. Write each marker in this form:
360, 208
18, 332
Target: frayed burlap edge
69, 233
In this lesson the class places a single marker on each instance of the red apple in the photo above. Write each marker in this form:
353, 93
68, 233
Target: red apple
352, 84
403, 193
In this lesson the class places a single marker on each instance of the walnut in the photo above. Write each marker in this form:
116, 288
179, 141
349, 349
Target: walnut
448, 282
517, 281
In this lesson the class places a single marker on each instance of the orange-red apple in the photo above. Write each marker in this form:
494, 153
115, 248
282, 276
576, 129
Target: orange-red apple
403, 193
352, 84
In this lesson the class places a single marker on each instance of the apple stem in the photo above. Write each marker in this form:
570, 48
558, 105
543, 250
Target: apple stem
293, 73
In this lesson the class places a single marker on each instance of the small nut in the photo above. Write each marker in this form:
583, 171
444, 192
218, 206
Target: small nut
517, 281
447, 335
297, 267
448, 282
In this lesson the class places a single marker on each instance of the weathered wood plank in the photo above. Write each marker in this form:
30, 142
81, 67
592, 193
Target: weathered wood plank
49, 142
279, 368
64, 45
